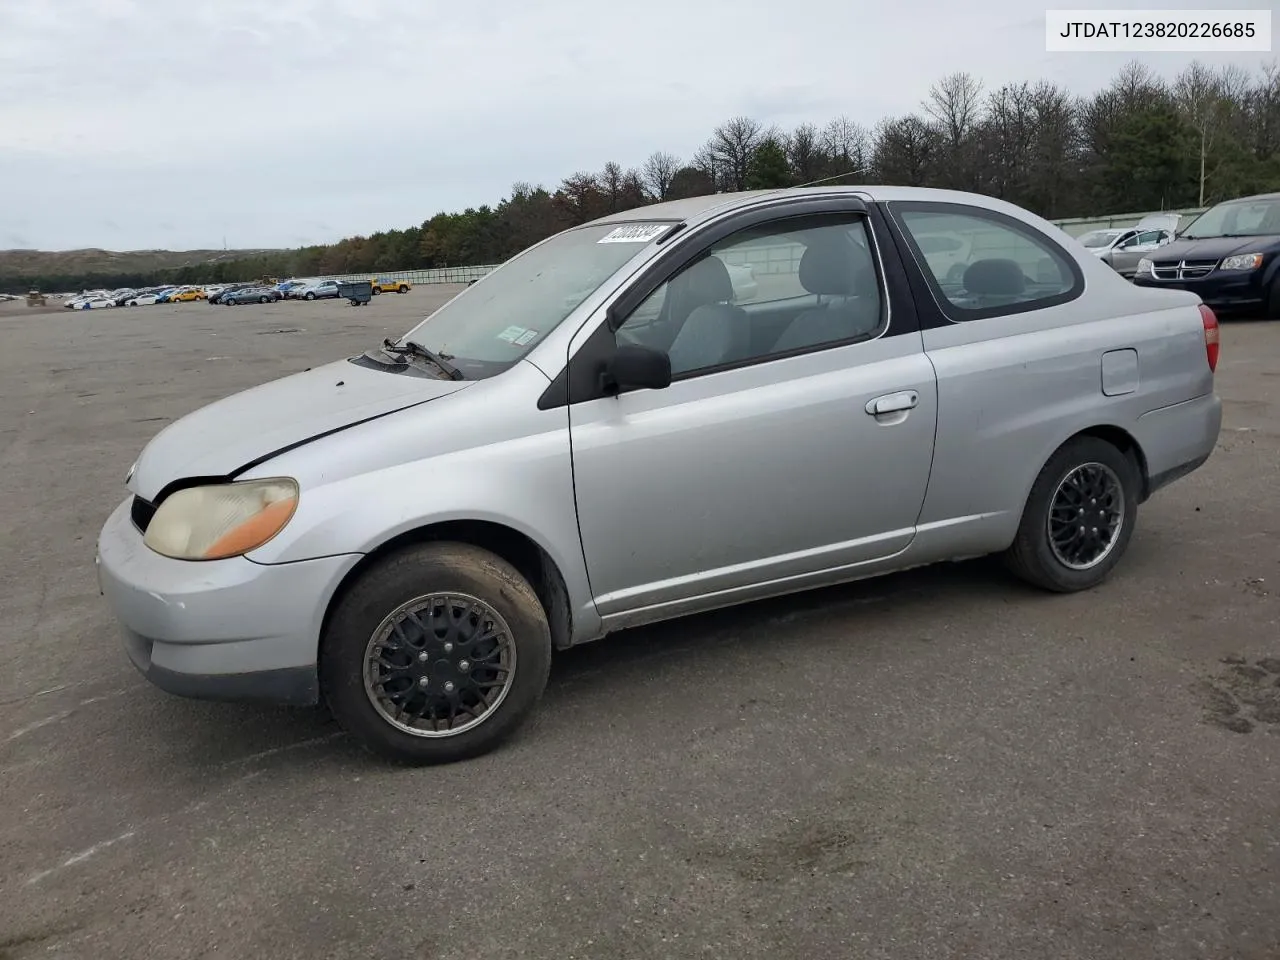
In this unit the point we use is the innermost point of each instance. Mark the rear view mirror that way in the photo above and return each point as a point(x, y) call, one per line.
point(635, 366)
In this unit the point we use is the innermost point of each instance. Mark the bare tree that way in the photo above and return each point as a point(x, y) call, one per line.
point(803, 153)
point(610, 181)
point(1209, 101)
point(732, 146)
point(847, 146)
point(905, 151)
point(707, 164)
point(658, 172)
point(580, 197)
point(955, 107)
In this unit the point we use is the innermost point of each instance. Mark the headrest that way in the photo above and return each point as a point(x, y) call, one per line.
point(828, 267)
point(707, 281)
point(995, 278)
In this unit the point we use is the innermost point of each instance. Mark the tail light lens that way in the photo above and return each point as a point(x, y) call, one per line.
point(1210, 336)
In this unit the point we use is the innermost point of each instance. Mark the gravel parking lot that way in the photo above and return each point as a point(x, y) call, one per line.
point(936, 764)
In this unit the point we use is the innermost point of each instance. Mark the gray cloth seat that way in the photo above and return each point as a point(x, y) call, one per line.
point(834, 267)
point(714, 332)
point(995, 281)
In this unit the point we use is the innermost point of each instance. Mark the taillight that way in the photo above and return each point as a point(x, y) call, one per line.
point(1210, 336)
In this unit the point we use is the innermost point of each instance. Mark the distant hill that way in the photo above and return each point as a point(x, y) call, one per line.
point(74, 263)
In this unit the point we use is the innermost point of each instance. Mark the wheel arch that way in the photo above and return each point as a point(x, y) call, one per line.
point(524, 553)
point(1123, 441)
point(1117, 436)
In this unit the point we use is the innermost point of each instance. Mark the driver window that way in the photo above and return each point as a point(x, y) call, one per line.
point(787, 286)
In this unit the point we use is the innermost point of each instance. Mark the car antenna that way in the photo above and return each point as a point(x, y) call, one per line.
point(814, 183)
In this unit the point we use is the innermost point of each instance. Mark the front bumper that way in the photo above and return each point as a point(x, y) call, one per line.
point(218, 629)
point(1222, 292)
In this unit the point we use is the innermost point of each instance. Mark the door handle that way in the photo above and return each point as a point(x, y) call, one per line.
point(893, 403)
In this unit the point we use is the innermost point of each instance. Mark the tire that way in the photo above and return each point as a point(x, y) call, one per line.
point(1033, 556)
point(376, 291)
point(403, 289)
point(311, 296)
point(424, 574)
point(1273, 300)
point(264, 299)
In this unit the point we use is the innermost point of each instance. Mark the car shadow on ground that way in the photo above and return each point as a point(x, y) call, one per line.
point(209, 737)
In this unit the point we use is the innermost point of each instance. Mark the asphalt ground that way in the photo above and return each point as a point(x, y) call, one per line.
point(936, 764)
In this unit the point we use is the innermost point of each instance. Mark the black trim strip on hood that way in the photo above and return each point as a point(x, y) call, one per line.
point(319, 436)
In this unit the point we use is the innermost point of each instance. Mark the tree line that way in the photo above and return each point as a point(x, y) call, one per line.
point(1143, 143)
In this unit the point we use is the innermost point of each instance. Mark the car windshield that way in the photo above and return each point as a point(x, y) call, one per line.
point(1238, 218)
point(489, 327)
point(1099, 238)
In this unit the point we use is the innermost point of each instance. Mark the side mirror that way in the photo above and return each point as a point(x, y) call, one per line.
point(635, 366)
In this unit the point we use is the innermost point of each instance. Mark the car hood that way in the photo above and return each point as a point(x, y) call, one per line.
point(1214, 248)
point(246, 428)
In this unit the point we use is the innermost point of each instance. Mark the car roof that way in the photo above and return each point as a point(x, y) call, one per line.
point(696, 209)
point(1256, 196)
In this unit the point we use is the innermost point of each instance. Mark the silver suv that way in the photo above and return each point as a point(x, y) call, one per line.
point(602, 433)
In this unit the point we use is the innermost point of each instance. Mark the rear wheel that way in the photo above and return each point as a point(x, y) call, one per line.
point(264, 299)
point(311, 296)
point(438, 653)
point(376, 291)
point(1079, 517)
point(403, 289)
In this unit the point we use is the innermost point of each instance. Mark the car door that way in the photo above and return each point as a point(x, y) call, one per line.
point(794, 442)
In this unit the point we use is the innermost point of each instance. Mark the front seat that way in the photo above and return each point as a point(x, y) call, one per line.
point(715, 331)
point(833, 266)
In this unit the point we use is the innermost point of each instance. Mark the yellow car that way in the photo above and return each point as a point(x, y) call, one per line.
point(382, 285)
point(187, 295)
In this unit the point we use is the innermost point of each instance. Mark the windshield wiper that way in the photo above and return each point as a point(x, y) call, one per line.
point(441, 360)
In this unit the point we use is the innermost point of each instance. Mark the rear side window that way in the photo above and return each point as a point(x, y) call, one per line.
point(995, 265)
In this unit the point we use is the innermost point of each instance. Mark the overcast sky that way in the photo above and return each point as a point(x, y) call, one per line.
point(132, 124)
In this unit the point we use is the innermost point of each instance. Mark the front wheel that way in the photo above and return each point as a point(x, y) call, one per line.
point(1273, 300)
point(403, 288)
point(438, 653)
point(264, 299)
point(376, 291)
point(311, 296)
point(1079, 517)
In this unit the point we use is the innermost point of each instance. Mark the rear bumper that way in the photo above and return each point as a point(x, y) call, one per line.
point(1178, 439)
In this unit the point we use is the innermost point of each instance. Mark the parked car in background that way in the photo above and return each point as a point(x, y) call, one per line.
point(141, 300)
point(1229, 256)
point(217, 298)
point(254, 294)
point(383, 285)
point(95, 303)
point(1150, 234)
point(74, 302)
point(285, 286)
point(320, 291)
point(410, 532)
point(188, 295)
point(1099, 242)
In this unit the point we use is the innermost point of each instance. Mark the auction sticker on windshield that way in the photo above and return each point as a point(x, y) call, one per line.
point(635, 233)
